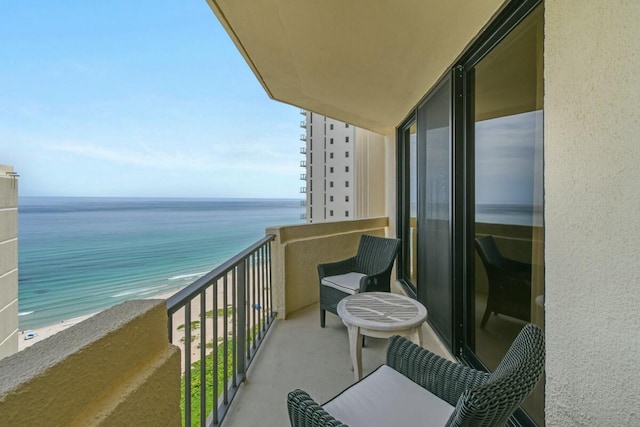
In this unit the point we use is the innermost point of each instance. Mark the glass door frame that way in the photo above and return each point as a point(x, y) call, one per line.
point(462, 185)
point(464, 128)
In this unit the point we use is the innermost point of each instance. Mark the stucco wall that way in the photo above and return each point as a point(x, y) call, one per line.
point(592, 212)
point(370, 174)
point(114, 369)
point(298, 249)
point(8, 262)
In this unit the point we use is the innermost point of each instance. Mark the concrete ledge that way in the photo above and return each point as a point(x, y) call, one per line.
point(114, 366)
point(297, 250)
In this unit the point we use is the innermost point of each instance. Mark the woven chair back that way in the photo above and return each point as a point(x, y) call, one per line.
point(506, 388)
point(376, 254)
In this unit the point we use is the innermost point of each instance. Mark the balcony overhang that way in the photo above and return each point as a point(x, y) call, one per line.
point(363, 62)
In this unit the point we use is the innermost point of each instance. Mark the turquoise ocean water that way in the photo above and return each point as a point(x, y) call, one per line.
point(82, 255)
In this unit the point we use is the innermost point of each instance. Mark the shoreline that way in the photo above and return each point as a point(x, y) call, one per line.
point(45, 332)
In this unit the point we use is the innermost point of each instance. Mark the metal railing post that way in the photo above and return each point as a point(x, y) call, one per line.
point(242, 318)
point(248, 274)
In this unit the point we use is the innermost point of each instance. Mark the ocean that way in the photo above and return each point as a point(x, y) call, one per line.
point(81, 255)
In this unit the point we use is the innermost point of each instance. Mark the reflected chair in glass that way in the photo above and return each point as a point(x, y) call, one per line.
point(368, 271)
point(509, 282)
point(419, 388)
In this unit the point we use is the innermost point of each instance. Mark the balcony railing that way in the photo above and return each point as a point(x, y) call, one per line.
point(303, 163)
point(303, 137)
point(219, 321)
point(303, 150)
point(303, 203)
point(303, 123)
point(303, 176)
point(303, 189)
point(303, 112)
point(303, 216)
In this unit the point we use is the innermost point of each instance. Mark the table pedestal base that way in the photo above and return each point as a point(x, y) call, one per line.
point(355, 342)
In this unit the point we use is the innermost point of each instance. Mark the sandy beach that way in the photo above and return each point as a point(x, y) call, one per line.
point(178, 324)
point(45, 332)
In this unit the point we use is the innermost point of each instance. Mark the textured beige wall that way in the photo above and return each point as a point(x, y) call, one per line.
point(592, 212)
point(8, 262)
point(114, 369)
point(391, 180)
point(370, 175)
point(298, 249)
point(366, 63)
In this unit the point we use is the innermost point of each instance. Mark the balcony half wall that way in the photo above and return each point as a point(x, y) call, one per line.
point(114, 369)
point(298, 249)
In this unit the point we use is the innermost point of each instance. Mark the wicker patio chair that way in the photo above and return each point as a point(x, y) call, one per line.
point(368, 271)
point(509, 283)
point(418, 388)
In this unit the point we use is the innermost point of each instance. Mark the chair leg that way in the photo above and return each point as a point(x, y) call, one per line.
point(322, 317)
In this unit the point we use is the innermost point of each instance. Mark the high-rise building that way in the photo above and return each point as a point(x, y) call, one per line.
point(334, 172)
point(8, 261)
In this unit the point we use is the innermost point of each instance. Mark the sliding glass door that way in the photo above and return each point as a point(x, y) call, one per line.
point(434, 203)
point(506, 288)
point(471, 195)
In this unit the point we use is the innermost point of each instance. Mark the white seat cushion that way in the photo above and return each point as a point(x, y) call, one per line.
point(388, 398)
point(348, 283)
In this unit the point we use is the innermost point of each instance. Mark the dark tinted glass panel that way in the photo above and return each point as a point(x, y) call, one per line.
point(508, 230)
point(434, 151)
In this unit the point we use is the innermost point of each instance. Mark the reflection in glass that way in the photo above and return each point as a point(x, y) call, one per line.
point(507, 107)
point(412, 261)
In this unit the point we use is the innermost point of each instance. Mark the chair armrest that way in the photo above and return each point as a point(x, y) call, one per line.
point(305, 412)
point(371, 282)
point(446, 379)
point(512, 265)
point(335, 268)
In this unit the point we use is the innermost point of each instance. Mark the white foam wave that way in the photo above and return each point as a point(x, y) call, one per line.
point(154, 290)
point(187, 276)
point(24, 313)
point(124, 294)
point(138, 291)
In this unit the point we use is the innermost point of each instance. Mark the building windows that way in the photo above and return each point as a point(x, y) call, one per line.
point(331, 198)
point(331, 155)
point(346, 154)
point(330, 140)
point(346, 168)
point(346, 184)
point(331, 213)
point(331, 127)
point(346, 198)
point(346, 125)
point(346, 214)
point(331, 184)
point(331, 169)
point(346, 139)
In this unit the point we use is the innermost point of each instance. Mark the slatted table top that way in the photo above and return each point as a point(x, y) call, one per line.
point(381, 311)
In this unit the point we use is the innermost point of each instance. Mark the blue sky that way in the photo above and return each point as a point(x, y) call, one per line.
point(137, 98)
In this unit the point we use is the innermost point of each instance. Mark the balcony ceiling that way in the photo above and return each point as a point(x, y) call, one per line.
point(360, 61)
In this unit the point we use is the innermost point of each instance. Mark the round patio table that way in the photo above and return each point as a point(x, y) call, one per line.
point(379, 315)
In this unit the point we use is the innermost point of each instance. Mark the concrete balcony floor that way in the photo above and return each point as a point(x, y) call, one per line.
point(299, 354)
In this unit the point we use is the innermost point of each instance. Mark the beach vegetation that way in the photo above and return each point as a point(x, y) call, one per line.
point(194, 325)
point(220, 312)
point(196, 379)
point(193, 338)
